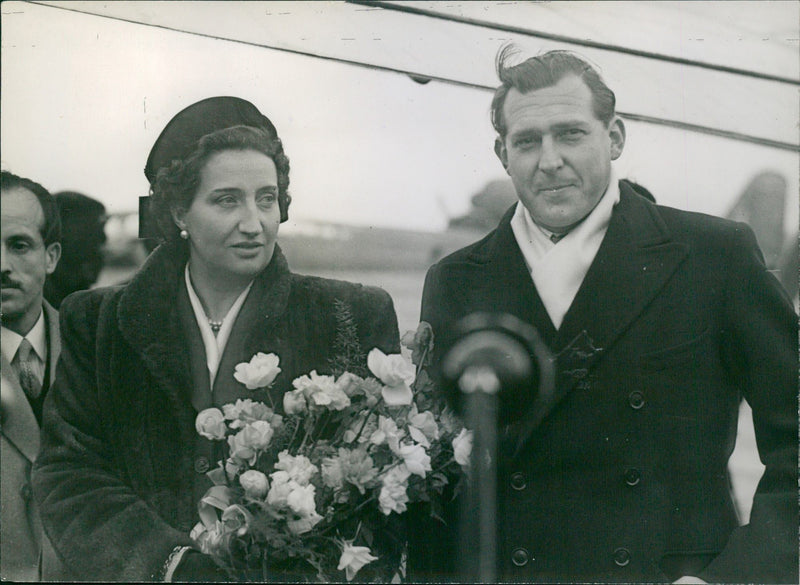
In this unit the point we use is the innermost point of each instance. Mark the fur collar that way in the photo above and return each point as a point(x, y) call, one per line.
point(149, 320)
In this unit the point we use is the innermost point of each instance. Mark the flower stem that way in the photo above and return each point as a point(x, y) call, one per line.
point(294, 435)
point(422, 360)
point(364, 424)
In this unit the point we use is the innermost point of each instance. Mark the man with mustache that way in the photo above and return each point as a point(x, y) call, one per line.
point(31, 231)
point(660, 321)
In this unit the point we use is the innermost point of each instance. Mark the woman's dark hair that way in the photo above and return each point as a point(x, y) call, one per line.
point(547, 70)
point(175, 186)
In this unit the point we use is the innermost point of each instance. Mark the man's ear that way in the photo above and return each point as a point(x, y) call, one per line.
point(52, 256)
point(501, 152)
point(616, 132)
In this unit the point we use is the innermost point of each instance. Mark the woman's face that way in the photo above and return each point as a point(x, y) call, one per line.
point(233, 219)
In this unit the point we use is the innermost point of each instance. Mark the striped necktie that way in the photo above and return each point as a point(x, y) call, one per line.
point(27, 378)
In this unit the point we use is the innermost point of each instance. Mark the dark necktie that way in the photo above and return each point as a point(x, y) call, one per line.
point(27, 378)
point(556, 238)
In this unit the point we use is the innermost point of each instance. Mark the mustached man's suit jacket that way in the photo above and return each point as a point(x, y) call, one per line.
point(622, 475)
point(23, 547)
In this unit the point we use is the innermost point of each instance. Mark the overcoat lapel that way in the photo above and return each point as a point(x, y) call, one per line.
point(17, 420)
point(634, 262)
point(500, 282)
point(503, 278)
point(200, 389)
point(257, 329)
point(53, 338)
point(150, 323)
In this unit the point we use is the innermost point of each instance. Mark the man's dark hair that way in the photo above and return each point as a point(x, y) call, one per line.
point(51, 228)
point(83, 235)
point(74, 204)
point(546, 70)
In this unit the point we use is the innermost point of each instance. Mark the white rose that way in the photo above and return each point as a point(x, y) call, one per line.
point(349, 383)
point(400, 395)
point(210, 423)
point(237, 519)
point(338, 400)
point(372, 389)
point(422, 426)
point(462, 447)
point(253, 439)
point(294, 402)
point(322, 391)
point(246, 411)
point(254, 483)
point(394, 496)
point(301, 499)
point(392, 369)
point(397, 375)
point(299, 468)
point(279, 490)
point(260, 372)
point(416, 459)
point(353, 558)
point(387, 432)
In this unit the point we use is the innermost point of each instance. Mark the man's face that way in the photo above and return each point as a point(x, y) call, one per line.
point(26, 261)
point(557, 153)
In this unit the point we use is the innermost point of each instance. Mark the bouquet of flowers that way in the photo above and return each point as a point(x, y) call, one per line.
point(318, 490)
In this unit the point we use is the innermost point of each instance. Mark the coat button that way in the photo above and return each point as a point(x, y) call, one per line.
point(622, 556)
point(636, 400)
point(26, 492)
point(201, 464)
point(632, 476)
point(518, 481)
point(520, 557)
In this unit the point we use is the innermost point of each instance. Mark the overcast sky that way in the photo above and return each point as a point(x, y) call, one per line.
point(84, 97)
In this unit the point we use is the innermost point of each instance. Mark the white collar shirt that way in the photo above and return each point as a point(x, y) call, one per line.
point(558, 269)
point(214, 344)
point(37, 337)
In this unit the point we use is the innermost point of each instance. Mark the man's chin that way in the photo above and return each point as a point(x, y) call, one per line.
point(13, 306)
point(9, 294)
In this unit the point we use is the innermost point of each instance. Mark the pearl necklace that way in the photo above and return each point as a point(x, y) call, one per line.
point(215, 326)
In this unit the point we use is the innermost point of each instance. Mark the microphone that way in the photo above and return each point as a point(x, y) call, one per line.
point(497, 350)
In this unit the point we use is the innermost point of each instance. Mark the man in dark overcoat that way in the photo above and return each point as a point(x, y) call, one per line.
point(660, 322)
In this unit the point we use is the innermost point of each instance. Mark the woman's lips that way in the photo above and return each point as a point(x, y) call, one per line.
point(248, 249)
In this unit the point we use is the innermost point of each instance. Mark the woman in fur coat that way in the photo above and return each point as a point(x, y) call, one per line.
point(122, 469)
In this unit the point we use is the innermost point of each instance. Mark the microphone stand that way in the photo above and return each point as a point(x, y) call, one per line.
point(493, 354)
point(481, 386)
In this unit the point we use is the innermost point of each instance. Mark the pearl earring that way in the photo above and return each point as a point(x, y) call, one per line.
point(184, 234)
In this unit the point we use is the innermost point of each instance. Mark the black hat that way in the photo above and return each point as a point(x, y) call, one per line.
point(179, 138)
point(181, 135)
